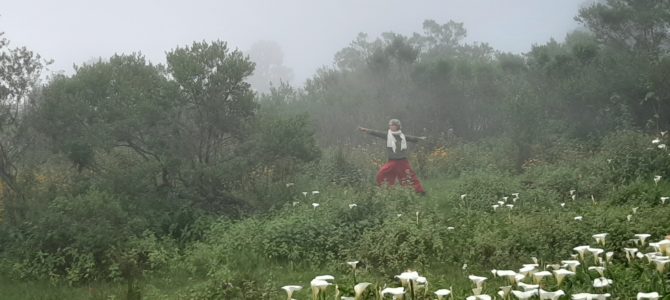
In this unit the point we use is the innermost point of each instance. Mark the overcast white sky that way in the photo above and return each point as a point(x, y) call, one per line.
point(309, 31)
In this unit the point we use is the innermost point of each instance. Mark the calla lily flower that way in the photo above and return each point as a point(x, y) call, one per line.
point(479, 297)
point(477, 280)
point(588, 296)
point(572, 264)
point(661, 146)
point(573, 197)
point(602, 282)
point(551, 295)
point(463, 196)
point(629, 217)
point(562, 204)
point(304, 194)
point(600, 238)
point(639, 255)
point(353, 263)
point(664, 246)
point(609, 255)
point(600, 270)
point(515, 195)
point(352, 205)
point(642, 237)
point(441, 293)
point(596, 252)
point(578, 218)
point(347, 298)
point(527, 269)
point(494, 272)
point(477, 291)
point(325, 277)
point(290, 289)
point(504, 291)
point(399, 291)
point(630, 253)
point(663, 199)
point(635, 209)
point(537, 277)
point(505, 198)
point(656, 141)
point(410, 276)
point(509, 274)
point(528, 287)
point(450, 228)
point(360, 288)
point(314, 193)
point(495, 206)
point(560, 275)
point(295, 203)
point(315, 205)
point(661, 264)
point(318, 285)
point(657, 178)
point(501, 202)
point(399, 215)
point(572, 192)
point(649, 296)
point(510, 206)
point(534, 259)
point(581, 250)
point(552, 266)
point(525, 295)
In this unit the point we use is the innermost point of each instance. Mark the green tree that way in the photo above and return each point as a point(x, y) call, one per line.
point(19, 73)
point(636, 25)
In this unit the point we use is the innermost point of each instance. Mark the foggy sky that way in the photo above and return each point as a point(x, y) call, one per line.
point(308, 31)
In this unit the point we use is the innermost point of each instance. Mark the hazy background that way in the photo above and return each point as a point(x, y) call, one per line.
point(308, 33)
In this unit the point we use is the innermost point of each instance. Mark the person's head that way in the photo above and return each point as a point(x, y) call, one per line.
point(394, 124)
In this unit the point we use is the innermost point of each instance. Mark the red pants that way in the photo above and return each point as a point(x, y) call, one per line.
point(400, 170)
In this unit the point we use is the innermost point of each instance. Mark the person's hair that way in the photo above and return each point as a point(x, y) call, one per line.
point(395, 122)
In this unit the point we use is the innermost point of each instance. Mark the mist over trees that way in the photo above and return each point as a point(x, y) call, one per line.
point(124, 157)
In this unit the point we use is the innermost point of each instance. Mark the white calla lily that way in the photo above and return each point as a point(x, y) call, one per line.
point(524, 295)
point(477, 280)
point(399, 291)
point(600, 238)
point(551, 295)
point(661, 264)
point(648, 296)
point(528, 287)
point(441, 293)
point(600, 270)
point(360, 288)
point(602, 282)
point(572, 264)
point(581, 250)
point(589, 296)
point(560, 274)
point(290, 289)
point(325, 277)
point(538, 276)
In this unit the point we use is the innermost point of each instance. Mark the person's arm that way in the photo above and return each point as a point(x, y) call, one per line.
point(414, 139)
point(372, 132)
